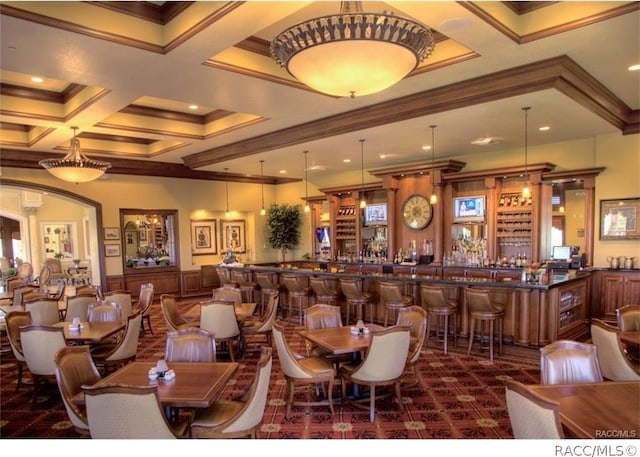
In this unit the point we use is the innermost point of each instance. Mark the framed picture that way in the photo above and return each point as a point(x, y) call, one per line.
point(46, 239)
point(142, 234)
point(60, 240)
point(232, 235)
point(112, 250)
point(111, 233)
point(204, 237)
point(619, 219)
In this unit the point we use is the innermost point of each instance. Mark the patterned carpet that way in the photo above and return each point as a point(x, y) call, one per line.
point(465, 399)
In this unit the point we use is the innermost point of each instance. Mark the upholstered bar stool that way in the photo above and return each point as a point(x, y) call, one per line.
point(323, 292)
point(224, 276)
point(297, 294)
point(356, 298)
point(247, 287)
point(392, 299)
point(482, 309)
point(268, 283)
point(438, 306)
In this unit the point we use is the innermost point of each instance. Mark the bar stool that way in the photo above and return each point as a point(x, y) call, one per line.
point(439, 306)
point(356, 298)
point(268, 283)
point(482, 309)
point(224, 276)
point(324, 294)
point(248, 288)
point(297, 294)
point(392, 299)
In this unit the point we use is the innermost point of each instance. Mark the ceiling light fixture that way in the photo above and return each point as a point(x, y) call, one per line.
point(526, 191)
point(226, 191)
point(262, 211)
point(75, 166)
point(363, 201)
point(352, 53)
point(307, 208)
point(434, 198)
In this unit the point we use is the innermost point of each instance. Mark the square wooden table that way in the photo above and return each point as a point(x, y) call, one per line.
point(339, 340)
point(196, 385)
point(607, 409)
point(91, 332)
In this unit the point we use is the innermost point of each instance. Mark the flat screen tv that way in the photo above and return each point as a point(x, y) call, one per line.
point(375, 214)
point(469, 209)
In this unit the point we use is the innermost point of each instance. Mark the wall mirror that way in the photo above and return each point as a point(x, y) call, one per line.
point(568, 215)
point(149, 238)
point(59, 240)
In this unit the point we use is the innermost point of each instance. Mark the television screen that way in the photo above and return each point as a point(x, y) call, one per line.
point(468, 209)
point(375, 214)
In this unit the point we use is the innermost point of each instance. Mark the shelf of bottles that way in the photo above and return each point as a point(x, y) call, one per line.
point(346, 221)
point(571, 306)
point(513, 229)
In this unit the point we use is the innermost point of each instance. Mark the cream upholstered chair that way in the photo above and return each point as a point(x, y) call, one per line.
point(173, 319)
point(44, 311)
point(227, 293)
point(14, 320)
point(112, 356)
point(383, 365)
point(123, 298)
point(25, 271)
point(78, 306)
point(39, 346)
point(612, 358)
point(569, 362)
point(257, 331)
point(414, 317)
point(302, 372)
point(144, 303)
point(190, 345)
point(324, 316)
point(532, 416)
point(75, 368)
point(18, 294)
point(42, 280)
point(120, 412)
point(268, 283)
point(297, 295)
point(104, 312)
point(55, 268)
point(237, 418)
point(391, 298)
point(219, 319)
point(246, 286)
point(628, 318)
point(438, 306)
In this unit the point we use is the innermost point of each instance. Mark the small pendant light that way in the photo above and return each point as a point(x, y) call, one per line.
point(434, 198)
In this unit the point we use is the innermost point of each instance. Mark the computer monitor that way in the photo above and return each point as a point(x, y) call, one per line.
point(561, 253)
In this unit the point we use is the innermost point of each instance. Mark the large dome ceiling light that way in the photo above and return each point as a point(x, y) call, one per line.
point(352, 53)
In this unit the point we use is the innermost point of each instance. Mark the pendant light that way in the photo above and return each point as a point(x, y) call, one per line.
point(226, 191)
point(526, 191)
point(434, 198)
point(262, 211)
point(307, 208)
point(363, 201)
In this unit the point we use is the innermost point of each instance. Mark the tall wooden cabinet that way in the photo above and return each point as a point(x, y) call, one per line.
point(616, 288)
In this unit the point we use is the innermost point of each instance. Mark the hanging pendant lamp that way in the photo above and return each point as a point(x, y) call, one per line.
point(526, 190)
point(434, 198)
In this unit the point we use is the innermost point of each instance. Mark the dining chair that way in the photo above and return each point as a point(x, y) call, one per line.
point(87, 289)
point(14, 320)
point(613, 357)
point(628, 318)
point(382, 365)
point(25, 271)
point(302, 373)
point(110, 357)
point(414, 317)
point(483, 309)
point(78, 306)
point(55, 268)
point(532, 416)
point(144, 303)
point(190, 345)
point(44, 311)
point(104, 312)
point(171, 314)
point(18, 293)
point(39, 346)
point(257, 331)
point(569, 362)
point(128, 412)
point(219, 319)
point(239, 417)
point(440, 307)
point(42, 280)
point(392, 299)
point(123, 298)
point(324, 316)
point(75, 368)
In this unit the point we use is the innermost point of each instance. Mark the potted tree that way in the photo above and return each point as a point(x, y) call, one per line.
point(283, 223)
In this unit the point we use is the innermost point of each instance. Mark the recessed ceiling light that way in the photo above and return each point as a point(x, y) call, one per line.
point(383, 156)
point(282, 172)
point(37, 79)
point(346, 160)
point(544, 128)
point(635, 67)
point(426, 148)
point(194, 107)
point(484, 141)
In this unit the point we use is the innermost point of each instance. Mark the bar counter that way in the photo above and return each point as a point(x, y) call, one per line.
point(535, 313)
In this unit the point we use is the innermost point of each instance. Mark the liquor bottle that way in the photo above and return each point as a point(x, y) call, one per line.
point(501, 200)
point(519, 260)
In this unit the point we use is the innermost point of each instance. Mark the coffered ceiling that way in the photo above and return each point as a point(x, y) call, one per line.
point(126, 74)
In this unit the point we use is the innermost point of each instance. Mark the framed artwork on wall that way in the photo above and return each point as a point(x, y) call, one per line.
point(619, 219)
point(233, 235)
point(204, 237)
point(111, 250)
point(111, 233)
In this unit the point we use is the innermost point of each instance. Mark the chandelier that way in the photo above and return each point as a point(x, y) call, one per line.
point(352, 53)
point(75, 166)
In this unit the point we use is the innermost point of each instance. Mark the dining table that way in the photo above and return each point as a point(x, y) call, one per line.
point(90, 332)
point(195, 385)
point(609, 409)
point(243, 310)
point(630, 342)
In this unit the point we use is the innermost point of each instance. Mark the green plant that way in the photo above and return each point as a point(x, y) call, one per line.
point(58, 255)
point(10, 273)
point(283, 224)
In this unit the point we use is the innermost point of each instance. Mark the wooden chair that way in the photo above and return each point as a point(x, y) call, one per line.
point(25, 272)
point(569, 362)
point(219, 319)
point(145, 300)
point(302, 373)
point(228, 294)
point(392, 299)
point(190, 345)
point(324, 316)
point(532, 416)
point(239, 417)
point(121, 412)
point(224, 277)
point(40, 344)
point(414, 317)
point(104, 312)
point(75, 368)
point(257, 332)
point(383, 365)
point(14, 321)
point(110, 357)
point(323, 293)
point(123, 298)
point(268, 283)
point(438, 306)
point(628, 318)
point(483, 310)
point(172, 317)
point(613, 357)
point(356, 298)
point(247, 287)
point(55, 268)
point(43, 278)
point(297, 295)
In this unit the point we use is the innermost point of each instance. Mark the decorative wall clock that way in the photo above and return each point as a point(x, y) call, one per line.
point(417, 212)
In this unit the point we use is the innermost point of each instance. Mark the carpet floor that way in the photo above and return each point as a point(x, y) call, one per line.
point(465, 398)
